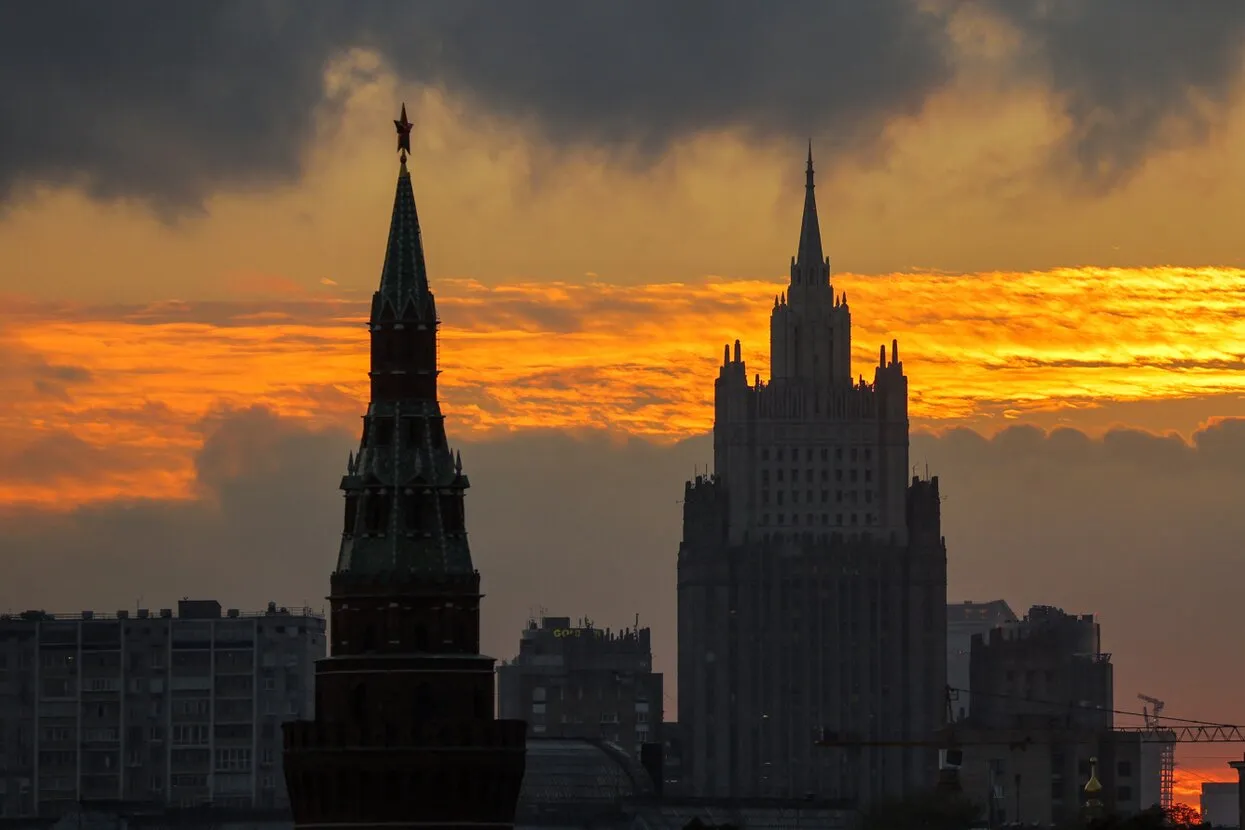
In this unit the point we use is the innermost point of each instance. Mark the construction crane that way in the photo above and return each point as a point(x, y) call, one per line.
point(1151, 717)
point(1167, 755)
point(1152, 732)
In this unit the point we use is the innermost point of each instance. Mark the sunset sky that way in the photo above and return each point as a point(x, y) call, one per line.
point(1042, 206)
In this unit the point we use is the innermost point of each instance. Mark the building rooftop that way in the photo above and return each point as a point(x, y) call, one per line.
point(995, 611)
point(187, 609)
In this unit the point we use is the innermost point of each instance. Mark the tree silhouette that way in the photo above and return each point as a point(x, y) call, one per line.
point(1182, 815)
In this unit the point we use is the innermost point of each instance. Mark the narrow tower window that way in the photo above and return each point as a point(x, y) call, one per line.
point(382, 432)
point(358, 703)
point(352, 510)
point(410, 511)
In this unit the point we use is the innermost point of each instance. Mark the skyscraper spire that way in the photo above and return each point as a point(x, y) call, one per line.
point(809, 253)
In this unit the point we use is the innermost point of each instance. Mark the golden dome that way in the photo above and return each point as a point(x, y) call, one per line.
point(1093, 786)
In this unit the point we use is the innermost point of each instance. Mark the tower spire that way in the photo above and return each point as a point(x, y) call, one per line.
point(404, 277)
point(404, 495)
point(809, 253)
point(404, 689)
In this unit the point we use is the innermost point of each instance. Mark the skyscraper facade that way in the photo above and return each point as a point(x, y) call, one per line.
point(812, 571)
point(404, 733)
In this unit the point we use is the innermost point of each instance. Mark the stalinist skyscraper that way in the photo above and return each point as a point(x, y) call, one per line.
point(812, 573)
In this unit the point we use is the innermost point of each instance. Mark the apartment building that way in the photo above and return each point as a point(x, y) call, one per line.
point(584, 682)
point(182, 708)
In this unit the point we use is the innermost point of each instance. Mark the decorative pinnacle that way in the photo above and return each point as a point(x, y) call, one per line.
point(404, 135)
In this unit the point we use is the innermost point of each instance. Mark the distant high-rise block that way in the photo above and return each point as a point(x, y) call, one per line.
point(180, 709)
point(964, 620)
point(812, 572)
point(579, 681)
point(1047, 669)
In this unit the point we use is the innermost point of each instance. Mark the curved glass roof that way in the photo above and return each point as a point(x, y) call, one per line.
point(562, 770)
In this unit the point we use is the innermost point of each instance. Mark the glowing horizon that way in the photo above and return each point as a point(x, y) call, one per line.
point(983, 350)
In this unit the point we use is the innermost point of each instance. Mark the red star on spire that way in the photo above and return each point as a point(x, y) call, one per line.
point(404, 133)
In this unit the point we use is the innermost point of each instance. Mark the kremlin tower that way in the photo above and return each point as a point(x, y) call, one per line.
point(404, 733)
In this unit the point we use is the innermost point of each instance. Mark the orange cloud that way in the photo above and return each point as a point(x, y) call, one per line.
point(1187, 785)
point(979, 349)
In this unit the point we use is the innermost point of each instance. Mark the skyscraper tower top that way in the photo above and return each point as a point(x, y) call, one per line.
point(809, 252)
point(810, 267)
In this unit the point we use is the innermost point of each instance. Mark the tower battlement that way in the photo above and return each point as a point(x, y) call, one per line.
point(704, 513)
point(925, 514)
point(802, 399)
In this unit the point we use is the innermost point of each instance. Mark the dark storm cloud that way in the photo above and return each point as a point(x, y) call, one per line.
point(1133, 76)
point(163, 101)
point(170, 101)
point(645, 71)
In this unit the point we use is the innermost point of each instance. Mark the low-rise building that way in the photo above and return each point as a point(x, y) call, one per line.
point(1220, 803)
point(1038, 774)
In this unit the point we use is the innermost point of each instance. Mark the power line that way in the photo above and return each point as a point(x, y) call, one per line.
point(1064, 706)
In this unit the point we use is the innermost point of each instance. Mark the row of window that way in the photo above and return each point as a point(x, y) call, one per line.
point(419, 512)
point(378, 431)
point(853, 475)
point(540, 694)
point(810, 519)
point(852, 496)
point(854, 454)
point(539, 712)
point(183, 734)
